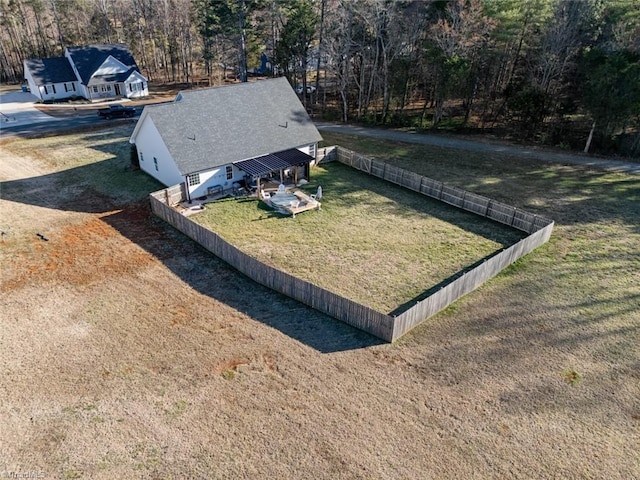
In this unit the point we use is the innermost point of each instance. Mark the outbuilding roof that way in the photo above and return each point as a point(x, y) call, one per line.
point(50, 70)
point(203, 129)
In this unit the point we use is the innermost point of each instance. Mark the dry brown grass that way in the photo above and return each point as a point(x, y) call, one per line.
point(117, 334)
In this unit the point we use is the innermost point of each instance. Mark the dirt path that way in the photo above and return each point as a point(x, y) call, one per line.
point(485, 147)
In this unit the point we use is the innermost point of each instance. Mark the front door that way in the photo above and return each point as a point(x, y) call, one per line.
point(117, 89)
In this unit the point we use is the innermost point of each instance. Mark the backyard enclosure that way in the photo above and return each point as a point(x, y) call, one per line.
point(386, 326)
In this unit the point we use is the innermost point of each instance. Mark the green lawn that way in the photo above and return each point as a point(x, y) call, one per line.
point(372, 242)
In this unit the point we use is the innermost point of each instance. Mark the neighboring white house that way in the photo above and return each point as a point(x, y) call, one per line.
point(51, 78)
point(210, 139)
point(93, 72)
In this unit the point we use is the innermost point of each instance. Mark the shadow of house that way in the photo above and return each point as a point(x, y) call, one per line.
point(79, 190)
point(95, 188)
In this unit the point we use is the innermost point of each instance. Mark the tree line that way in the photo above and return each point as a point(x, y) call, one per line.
point(561, 72)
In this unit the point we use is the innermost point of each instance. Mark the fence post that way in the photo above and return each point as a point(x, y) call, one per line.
point(486, 212)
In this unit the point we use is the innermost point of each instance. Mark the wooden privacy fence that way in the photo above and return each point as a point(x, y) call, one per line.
point(471, 202)
point(173, 195)
point(538, 228)
point(348, 311)
point(384, 326)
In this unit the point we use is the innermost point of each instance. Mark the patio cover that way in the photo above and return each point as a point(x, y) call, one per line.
point(273, 162)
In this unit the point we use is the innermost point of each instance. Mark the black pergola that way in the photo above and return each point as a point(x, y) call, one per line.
point(274, 162)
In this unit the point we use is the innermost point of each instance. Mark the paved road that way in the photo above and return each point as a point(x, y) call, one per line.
point(19, 116)
point(475, 146)
point(61, 124)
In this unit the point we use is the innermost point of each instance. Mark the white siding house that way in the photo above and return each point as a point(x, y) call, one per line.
point(51, 79)
point(94, 72)
point(154, 156)
point(210, 139)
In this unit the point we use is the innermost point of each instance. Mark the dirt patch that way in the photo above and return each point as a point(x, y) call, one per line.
point(78, 254)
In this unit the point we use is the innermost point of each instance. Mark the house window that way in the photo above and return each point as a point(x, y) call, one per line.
point(105, 88)
point(54, 88)
point(73, 86)
point(193, 179)
point(229, 172)
point(95, 89)
point(312, 150)
point(155, 163)
point(46, 92)
point(66, 89)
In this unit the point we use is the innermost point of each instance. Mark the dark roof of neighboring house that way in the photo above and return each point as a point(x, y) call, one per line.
point(88, 59)
point(50, 70)
point(217, 126)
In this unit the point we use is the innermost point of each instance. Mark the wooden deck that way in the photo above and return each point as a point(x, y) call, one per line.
point(292, 203)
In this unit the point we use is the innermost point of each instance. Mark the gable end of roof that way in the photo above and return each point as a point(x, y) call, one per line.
point(89, 58)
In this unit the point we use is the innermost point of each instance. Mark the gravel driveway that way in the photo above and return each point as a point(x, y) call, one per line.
point(477, 146)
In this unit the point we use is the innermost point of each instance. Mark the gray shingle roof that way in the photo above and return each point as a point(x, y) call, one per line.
point(51, 70)
point(221, 125)
point(88, 58)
